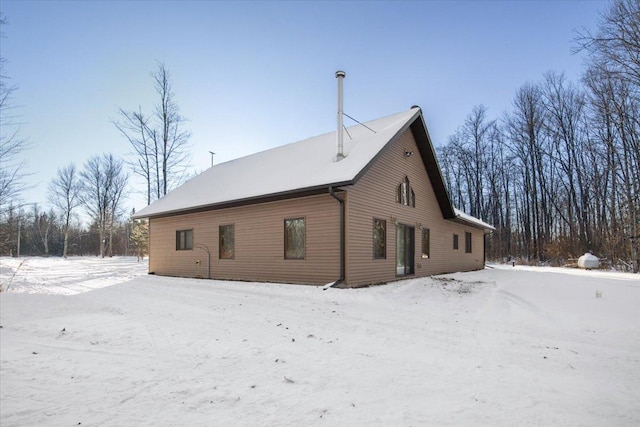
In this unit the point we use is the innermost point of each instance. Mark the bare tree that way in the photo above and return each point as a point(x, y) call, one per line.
point(160, 143)
point(104, 183)
point(617, 41)
point(171, 139)
point(525, 127)
point(12, 144)
point(64, 193)
point(134, 126)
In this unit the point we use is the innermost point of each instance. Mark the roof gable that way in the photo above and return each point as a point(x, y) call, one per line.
point(300, 167)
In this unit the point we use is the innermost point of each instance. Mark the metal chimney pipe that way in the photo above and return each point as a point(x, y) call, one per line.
point(340, 75)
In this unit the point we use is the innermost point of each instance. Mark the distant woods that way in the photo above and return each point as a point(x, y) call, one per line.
point(559, 174)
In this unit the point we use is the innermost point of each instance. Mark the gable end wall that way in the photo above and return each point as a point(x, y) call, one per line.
point(374, 196)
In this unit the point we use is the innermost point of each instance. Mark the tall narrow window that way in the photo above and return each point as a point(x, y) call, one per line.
point(455, 242)
point(226, 241)
point(184, 240)
point(426, 243)
point(294, 238)
point(467, 242)
point(379, 238)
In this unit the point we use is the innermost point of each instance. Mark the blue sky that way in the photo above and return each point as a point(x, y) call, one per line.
point(254, 75)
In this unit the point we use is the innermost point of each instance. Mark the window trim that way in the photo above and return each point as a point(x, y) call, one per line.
point(233, 241)
point(304, 239)
point(178, 240)
point(384, 239)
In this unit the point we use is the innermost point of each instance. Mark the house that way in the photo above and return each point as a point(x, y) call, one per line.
point(375, 210)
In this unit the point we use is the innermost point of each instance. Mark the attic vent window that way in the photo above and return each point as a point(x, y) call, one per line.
point(405, 194)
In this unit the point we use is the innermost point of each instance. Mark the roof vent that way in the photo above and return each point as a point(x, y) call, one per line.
point(340, 75)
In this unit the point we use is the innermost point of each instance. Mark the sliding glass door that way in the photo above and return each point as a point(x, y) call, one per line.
point(405, 249)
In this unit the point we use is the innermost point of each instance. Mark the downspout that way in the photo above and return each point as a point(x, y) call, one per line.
point(484, 250)
point(342, 239)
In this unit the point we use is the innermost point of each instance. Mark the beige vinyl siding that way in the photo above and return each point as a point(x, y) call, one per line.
point(374, 196)
point(258, 239)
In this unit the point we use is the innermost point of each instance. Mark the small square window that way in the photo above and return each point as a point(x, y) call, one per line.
point(184, 240)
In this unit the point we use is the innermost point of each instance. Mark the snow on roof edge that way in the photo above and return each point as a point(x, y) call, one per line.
point(472, 219)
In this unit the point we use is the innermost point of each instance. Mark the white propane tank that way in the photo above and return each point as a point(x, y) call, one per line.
point(588, 261)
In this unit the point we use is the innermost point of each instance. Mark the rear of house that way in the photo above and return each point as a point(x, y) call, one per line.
point(379, 214)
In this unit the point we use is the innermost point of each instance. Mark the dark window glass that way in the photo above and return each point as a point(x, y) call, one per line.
point(379, 238)
point(467, 242)
point(455, 241)
point(226, 241)
point(184, 240)
point(426, 243)
point(294, 238)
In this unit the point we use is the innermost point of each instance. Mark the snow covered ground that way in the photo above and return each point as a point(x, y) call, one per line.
point(98, 342)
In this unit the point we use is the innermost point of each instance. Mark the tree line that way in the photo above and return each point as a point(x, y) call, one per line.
point(559, 173)
point(33, 231)
point(98, 191)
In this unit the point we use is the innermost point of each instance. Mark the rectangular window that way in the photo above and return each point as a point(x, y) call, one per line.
point(467, 242)
point(426, 243)
point(294, 238)
point(184, 240)
point(226, 241)
point(379, 238)
point(455, 242)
